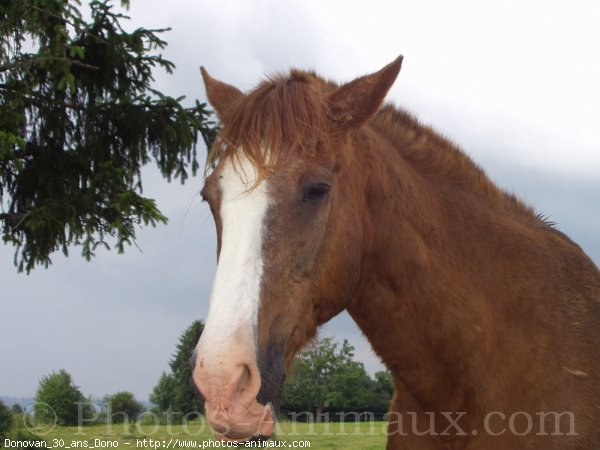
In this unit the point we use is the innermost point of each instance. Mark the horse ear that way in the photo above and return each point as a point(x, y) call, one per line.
point(220, 95)
point(355, 102)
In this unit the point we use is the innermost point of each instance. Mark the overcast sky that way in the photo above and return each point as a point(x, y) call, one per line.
point(515, 84)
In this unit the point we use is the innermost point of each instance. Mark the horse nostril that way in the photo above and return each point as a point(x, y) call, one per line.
point(244, 378)
point(247, 381)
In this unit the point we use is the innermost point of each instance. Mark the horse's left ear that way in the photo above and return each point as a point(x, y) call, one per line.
point(355, 102)
point(220, 95)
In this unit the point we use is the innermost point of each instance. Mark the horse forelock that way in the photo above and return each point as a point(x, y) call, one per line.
point(284, 116)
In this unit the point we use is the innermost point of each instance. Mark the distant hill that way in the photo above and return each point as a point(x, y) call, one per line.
point(25, 402)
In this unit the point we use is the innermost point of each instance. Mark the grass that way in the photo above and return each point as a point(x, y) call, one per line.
point(328, 435)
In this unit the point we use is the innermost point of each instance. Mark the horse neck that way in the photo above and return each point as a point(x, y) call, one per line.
point(428, 262)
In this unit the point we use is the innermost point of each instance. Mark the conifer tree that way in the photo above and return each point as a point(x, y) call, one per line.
point(175, 392)
point(79, 118)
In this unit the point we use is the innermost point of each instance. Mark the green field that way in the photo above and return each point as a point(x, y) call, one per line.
point(329, 435)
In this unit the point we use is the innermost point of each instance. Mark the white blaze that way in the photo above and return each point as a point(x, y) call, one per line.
point(233, 302)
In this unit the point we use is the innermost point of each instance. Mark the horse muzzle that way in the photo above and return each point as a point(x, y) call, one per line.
point(230, 381)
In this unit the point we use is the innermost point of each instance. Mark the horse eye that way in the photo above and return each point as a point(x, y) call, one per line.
point(316, 192)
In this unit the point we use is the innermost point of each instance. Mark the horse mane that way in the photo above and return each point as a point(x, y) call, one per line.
point(437, 157)
point(289, 113)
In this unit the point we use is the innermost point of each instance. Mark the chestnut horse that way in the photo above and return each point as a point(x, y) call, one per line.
point(487, 317)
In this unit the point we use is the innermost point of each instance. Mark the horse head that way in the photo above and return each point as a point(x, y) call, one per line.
point(289, 204)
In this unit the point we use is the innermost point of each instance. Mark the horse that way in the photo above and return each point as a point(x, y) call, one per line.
point(326, 199)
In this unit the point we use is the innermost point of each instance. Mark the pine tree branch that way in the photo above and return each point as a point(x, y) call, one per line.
point(42, 99)
point(11, 218)
point(31, 61)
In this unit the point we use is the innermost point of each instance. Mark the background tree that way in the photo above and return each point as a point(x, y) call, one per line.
point(164, 392)
point(326, 377)
point(177, 389)
point(315, 376)
point(14, 428)
point(5, 421)
point(63, 398)
point(78, 120)
point(185, 398)
point(352, 388)
point(384, 390)
point(122, 407)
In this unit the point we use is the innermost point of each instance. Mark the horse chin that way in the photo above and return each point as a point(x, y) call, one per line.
point(241, 424)
point(260, 438)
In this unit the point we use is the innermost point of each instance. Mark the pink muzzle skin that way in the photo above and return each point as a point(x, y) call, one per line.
point(240, 423)
point(230, 386)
